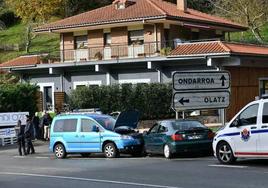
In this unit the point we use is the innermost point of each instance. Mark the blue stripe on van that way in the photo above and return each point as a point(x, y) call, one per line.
point(238, 133)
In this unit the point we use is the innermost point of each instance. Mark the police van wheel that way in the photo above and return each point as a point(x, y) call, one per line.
point(59, 151)
point(110, 151)
point(225, 154)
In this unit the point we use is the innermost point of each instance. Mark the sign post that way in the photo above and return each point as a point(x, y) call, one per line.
point(201, 90)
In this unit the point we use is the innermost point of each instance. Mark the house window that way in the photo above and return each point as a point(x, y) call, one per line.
point(263, 86)
point(81, 42)
point(195, 35)
point(136, 37)
point(107, 39)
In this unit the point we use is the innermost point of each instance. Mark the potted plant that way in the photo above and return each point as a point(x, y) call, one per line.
point(98, 56)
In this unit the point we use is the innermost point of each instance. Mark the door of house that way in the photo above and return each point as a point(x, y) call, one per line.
point(47, 90)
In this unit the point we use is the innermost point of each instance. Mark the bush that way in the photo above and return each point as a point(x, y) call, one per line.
point(152, 100)
point(8, 17)
point(18, 98)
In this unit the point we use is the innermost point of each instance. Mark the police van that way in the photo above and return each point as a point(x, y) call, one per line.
point(246, 135)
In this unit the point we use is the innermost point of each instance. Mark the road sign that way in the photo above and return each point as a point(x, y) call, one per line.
point(207, 80)
point(201, 100)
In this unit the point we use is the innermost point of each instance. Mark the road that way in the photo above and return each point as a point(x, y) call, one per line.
point(42, 170)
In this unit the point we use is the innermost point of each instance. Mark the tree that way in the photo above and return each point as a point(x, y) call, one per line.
point(253, 13)
point(33, 12)
point(73, 7)
point(201, 5)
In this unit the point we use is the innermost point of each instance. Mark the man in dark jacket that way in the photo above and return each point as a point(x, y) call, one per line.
point(29, 135)
point(21, 138)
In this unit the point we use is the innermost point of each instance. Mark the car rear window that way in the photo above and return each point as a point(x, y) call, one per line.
point(65, 125)
point(185, 125)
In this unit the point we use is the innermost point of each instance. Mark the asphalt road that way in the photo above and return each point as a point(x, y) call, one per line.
point(42, 170)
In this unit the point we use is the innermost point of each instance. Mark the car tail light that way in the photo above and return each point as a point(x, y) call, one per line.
point(211, 135)
point(177, 137)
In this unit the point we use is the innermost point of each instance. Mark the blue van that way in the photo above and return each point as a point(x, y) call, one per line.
point(95, 133)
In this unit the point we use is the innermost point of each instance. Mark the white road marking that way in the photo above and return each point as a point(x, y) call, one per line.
point(19, 156)
point(228, 166)
point(41, 157)
point(86, 179)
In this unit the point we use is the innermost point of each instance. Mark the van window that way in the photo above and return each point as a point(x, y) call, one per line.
point(249, 115)
point(265, 113)
point(87, 125)
point(65, 125)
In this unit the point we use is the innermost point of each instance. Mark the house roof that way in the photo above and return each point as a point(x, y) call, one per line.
point(21, 61)
point(139, 11)
point(219, 47)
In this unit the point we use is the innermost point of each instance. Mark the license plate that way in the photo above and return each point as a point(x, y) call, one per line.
point(194, 137)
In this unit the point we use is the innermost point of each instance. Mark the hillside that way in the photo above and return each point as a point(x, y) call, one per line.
point(247, 37)
point(16, 35)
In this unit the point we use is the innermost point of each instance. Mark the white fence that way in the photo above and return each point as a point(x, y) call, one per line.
point(8, 135)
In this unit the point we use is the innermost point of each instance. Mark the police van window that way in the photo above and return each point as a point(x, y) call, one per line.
point(249, 115)
point(66, 125)
point(87, 125)
point(265, 113)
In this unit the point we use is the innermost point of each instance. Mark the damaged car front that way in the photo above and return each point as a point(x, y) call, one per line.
point(122, 131)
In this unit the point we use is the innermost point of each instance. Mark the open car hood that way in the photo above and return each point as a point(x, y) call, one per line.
point(129, 118)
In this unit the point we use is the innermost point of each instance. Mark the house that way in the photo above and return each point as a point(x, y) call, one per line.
point(142, 41)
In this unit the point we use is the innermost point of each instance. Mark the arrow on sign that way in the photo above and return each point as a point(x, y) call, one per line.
point(182, 101)
point(223, 80)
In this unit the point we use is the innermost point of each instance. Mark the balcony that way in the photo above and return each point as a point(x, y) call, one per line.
point(152, 49)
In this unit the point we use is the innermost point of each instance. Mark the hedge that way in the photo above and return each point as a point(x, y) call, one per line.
point(152, 100)
point(18, 98)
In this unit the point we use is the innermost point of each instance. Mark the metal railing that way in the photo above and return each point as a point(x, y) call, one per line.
point(120, 51)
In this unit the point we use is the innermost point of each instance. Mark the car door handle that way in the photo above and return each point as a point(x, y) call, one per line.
point(253, 127)
point(76, 136)
point(264, 126)
point(83, 136)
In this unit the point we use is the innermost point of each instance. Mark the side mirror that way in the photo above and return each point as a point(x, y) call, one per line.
point(145, 133)
point(96, 129)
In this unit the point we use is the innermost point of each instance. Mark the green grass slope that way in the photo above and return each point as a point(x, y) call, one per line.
point(16, 35)
point(248, 36)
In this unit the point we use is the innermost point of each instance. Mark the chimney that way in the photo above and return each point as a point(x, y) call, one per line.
point(122, 4)
point(182, 5)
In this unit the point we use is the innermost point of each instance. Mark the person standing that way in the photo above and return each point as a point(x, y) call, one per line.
point(36, 125)
point(21, 138)
point(29, 135)
point(46, 122)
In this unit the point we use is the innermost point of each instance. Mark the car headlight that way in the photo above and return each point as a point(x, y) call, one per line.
point(125, 137)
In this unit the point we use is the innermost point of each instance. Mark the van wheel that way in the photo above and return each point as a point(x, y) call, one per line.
point(225, 154)
point(110, 151)
point(85, 154)
point(59, 151)
point(167, 152)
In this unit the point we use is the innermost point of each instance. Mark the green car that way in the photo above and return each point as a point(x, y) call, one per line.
point(170, 137)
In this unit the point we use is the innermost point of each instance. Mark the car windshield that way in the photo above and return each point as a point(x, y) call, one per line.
point(185, 125)
point(106, 122)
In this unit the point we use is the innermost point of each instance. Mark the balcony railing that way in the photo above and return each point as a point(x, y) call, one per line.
point(116, 52)
point(151, 49)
